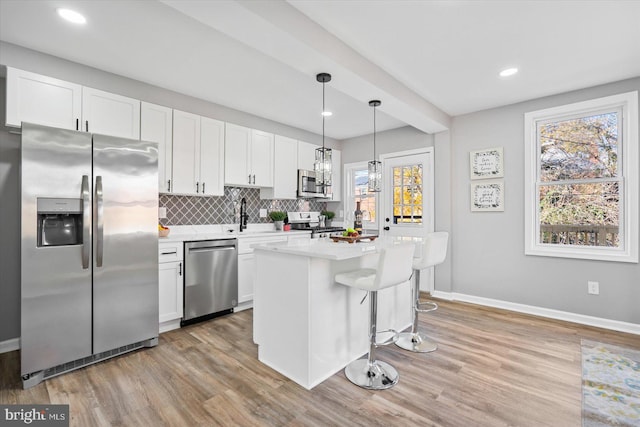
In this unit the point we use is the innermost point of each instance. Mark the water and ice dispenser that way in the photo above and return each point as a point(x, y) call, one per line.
point(59, 222)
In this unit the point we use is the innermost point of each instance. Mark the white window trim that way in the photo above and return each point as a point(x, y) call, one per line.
point(349, 206)
point(628, 252)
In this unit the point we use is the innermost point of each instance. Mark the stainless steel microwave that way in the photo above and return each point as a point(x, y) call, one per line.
point(307, 186)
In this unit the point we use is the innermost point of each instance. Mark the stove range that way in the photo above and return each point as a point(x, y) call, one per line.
point(311, 221)
point(320, 232)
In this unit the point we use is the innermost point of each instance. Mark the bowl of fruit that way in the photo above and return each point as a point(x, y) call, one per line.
point(163, 231)
point(351, 236)
point(350, 232)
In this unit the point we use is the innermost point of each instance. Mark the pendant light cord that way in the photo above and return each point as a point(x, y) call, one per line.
point(374, 133)
point(323, 117)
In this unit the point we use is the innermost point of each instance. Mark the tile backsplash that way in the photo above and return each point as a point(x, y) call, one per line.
point(198, 210)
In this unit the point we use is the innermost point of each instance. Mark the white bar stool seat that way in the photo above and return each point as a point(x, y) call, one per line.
point(434, 252)
point(394, 268)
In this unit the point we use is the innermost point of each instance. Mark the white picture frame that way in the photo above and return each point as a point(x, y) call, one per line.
point(487, 163)
point(487, 196)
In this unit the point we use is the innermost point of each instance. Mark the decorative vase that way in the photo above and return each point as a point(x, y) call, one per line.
point(278, 224)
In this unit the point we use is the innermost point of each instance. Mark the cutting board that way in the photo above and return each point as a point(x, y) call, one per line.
point(353, 239)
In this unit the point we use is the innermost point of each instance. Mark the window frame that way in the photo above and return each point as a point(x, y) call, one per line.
point(629, 163)
point(349, 199)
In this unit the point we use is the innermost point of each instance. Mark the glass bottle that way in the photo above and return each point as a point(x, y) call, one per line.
point(357, 223)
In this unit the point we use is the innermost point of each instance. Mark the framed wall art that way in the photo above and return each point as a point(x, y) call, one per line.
point(484, 164)
point(487, 196)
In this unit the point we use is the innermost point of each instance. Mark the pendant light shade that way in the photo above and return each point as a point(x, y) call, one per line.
point(322, 164)
point(375, 166)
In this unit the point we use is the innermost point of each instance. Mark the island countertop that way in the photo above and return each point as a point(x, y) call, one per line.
point(330, 250)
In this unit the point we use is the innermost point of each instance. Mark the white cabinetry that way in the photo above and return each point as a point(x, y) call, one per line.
point(211, 157)
point(336, 174)
point(171, 285)
point(248, 157)
point(285, 170)
point(306, 155)
point(198, 155)
point(51, 102)
point(110, 114)
point(44, 100)
point(156, 125)
point(246, 277)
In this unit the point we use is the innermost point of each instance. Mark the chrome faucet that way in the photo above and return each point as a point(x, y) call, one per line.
point(244, 216)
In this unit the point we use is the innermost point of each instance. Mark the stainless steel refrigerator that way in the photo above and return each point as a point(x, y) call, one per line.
point(89, 250)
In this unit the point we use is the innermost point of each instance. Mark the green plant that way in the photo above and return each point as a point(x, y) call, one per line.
point(328, 214)
point(277, 215)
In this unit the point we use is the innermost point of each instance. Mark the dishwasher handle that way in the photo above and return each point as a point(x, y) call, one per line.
point(212, 248)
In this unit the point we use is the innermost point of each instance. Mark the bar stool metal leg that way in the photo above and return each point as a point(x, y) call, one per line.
point(414, 340)
point(370, 373)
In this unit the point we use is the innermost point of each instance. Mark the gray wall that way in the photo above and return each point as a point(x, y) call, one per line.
point(391, 141)
point(488, 248)
point(18, 57)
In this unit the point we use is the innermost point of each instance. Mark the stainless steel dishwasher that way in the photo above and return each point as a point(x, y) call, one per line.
point(210, 279)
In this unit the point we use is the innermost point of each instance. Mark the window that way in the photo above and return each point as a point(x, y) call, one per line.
point(407, 194)
point(357, 191)
point(581, 183)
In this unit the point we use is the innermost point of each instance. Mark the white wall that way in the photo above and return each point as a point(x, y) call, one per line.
point(488, 248)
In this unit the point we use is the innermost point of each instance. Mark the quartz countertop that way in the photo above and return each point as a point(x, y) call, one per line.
point(328, 249)
point(186, 233)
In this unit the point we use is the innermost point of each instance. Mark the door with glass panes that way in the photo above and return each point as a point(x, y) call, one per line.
point(407, 209)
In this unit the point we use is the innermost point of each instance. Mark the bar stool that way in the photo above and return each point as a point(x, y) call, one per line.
point(394, 268)
point(434, 251)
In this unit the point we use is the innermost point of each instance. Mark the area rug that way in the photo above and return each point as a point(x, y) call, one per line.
point(610, 385)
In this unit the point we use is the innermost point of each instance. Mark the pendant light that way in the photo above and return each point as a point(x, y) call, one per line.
point(375, 166)
point(322, 164)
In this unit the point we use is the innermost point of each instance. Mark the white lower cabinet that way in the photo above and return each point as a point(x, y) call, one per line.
point(246, 276)
point(171, 285)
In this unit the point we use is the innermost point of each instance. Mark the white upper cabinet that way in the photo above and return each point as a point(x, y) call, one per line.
point(44, 100)
point(186, 138)
point(156, 125)
point(110, 114)
point(248, 157)
point(198, 155)
point(336, 174)
point(261, 158)
point(51, 102)
point(306, 155)
point(211, 157)
point(237, 142)
point(285, 170)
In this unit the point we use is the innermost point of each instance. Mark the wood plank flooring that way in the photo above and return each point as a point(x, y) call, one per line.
point(492, 368)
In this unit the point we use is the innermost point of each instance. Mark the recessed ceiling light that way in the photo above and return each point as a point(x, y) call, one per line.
point(72, 16)
point(508, 72)
point(327, 113)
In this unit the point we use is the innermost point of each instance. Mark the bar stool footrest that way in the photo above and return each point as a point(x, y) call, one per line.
point(391, 340)
point(432, 306)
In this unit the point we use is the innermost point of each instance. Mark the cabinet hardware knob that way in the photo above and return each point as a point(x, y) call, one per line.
point(386, 228)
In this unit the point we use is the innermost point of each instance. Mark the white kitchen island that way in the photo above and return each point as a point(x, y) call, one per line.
point(306, 326)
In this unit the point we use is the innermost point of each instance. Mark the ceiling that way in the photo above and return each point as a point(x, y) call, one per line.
point(426, 60)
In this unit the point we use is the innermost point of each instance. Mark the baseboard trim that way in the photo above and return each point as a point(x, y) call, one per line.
point(9, 345)
point(582, 319)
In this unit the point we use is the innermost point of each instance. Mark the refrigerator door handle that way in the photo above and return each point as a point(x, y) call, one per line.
point(99, 222)
point(86, 222)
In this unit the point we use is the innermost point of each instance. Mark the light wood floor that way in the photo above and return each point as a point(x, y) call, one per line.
point(492, 368)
